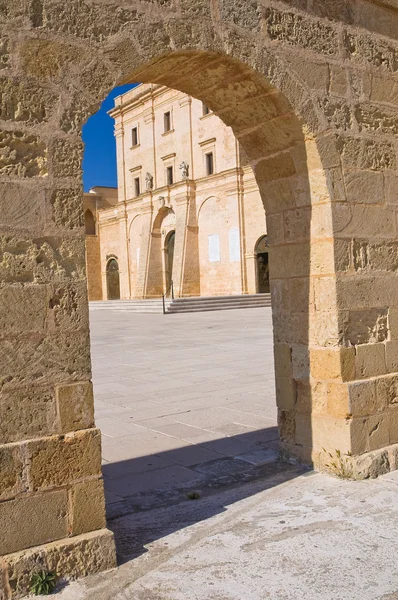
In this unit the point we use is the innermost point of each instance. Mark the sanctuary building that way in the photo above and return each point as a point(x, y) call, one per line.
point(187, 211)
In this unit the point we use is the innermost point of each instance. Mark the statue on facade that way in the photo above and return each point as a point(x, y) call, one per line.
point(184, 169)
point(148, 182)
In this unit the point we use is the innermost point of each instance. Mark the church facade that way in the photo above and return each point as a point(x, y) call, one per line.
point(187, 217)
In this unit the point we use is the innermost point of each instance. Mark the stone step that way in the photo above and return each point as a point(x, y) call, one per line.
point(180, 305)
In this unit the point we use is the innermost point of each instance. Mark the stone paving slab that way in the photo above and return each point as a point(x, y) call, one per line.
point(286, 537)
point(174, 393)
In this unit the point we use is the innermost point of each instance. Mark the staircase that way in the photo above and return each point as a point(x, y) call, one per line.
point(185, 305)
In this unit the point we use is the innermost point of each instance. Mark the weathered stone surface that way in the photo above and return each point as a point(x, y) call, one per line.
point(25, 101)
point(87, 507)
point(4, 53)
point(75, 404)
point(297, 30)
point(48, 59)
point(71, 558)
point(66, 158)
point(61, 460)
point(12, 477)
point(22, 155)
point(366, 327)
point(45, 518)
point(376, 118)
point(366, 153)
point(27, 413)
point(41, 260)
point(242, 13)
point(371, 50)
point(68, 208)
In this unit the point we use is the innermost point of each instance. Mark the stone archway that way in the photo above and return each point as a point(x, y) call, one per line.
point(312, 105)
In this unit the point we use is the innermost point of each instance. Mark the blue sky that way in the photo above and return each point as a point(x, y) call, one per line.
point(99, 164)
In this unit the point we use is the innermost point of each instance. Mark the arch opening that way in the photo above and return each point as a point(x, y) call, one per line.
point(112, 279)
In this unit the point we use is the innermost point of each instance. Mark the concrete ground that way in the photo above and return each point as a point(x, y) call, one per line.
point(258, 530)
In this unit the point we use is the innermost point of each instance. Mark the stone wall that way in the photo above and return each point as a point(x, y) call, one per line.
point(310, 90)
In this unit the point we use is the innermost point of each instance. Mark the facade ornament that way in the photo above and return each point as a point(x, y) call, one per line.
point(184, 170)
point(148, 182)
point(162, 201)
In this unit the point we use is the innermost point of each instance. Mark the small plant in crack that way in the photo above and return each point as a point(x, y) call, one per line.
point(194, 495)
point(340, 464)
point(43, 583)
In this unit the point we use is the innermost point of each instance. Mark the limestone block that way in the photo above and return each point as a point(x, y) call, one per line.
point(337, 113)
point(26, 413)
point(88, 507)
point(392, 417)
point(67, 307)
point(41, 260)
point(4, 52)
point(76, 114)
point(88, 21)
point(290, 328)
point(25, 101)
point(300, 362)
point(322, 258)
point(303, 432)
point(285, 393)
point(23, 206)
point(61, 460)
point(67, 205)
point(289, 261)
point(75, 403)
point(315, 74)
point(331, 433)
point(391, 188)
point(12, 476)
point(378, 430)
point(365, 153)
point(329, 364)
point(387, 391)
point(242, 13)
point(372, 50)
point(49, 59)
point(371, 221)
point(58, 358)
point(297, 30)
point(370, 465)
point(22, 155)
point(70, 558)
point(66, 158)
point(370, 361)
point(277, 167)
point(311, 397)
point(366, 326)
point(342, 254)
point(297, 224)
point(355, 293)
point(362, 398)
point(384, 89)
point(282, 358)
point(338, 10)
point(286, 423)
point(364, 186)
point(337, 400)
point(324, 328)
point(200, 9)
point(338, 84)
point(391, 356)
point(377, 119)
point(22, 310)
point(32, 520)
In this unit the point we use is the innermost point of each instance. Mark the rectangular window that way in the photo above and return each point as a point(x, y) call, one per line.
point(167, 121)
point(205, 110)
point(209, 163)
point(169, 176)
point(214, 248)
point(134, 136)
point(137, 188)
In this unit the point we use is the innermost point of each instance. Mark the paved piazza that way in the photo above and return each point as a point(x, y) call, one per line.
point(182, 396)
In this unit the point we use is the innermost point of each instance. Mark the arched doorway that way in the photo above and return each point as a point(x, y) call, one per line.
point(112, 280)
point(169, 257)
point(89, 222)
point(262, 265)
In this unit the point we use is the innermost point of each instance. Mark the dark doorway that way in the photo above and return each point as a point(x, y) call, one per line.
point(113, 280)
point(169, 258)
point(262, 266)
